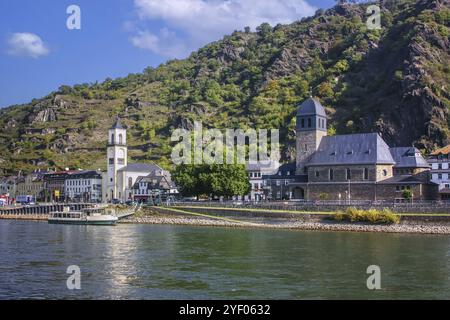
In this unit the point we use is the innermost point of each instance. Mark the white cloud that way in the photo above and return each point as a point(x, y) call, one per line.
point(27, 44)
point(203, 21)
point(165, 43)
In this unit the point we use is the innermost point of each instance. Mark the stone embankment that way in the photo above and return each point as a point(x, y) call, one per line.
point(183, 218)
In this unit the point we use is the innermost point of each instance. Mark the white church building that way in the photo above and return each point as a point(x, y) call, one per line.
point(120, 177)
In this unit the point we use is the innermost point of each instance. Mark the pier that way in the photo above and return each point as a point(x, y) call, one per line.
point(38, 212)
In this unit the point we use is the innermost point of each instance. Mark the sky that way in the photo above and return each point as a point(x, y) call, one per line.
point(39, 52)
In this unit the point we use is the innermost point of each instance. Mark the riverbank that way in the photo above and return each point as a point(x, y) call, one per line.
point(180, 217)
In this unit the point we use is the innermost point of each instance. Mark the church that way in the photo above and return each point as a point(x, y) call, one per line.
point(347, 167)
point(120, 177)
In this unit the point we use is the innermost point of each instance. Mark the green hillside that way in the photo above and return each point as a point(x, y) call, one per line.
point(394, 81)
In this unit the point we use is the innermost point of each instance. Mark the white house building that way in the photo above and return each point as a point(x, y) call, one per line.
point(84, 186)
point(440, 170)
point(255, 175)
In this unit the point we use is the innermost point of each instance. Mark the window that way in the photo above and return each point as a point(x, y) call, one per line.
point(111, 160)
point(440, 176)
point(121, 161)
point(278, 183)
point(120, 139)
point(112, 138)
point(331, 174)
point(385, 173)
point(317, 174)
point(130, 182)
point(303, 123)
point(348, 174)
point(309, 123)
point(366, 174)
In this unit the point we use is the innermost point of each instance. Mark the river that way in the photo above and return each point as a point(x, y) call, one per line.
point(178, 262)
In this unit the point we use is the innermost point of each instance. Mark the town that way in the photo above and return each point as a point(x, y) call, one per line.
point(340, 167)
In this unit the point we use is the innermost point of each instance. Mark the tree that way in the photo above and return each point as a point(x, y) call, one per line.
point(212, 180)
point(407, 194)
point(264, 29)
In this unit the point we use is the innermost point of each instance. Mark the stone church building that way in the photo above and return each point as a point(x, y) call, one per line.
point(347, 167)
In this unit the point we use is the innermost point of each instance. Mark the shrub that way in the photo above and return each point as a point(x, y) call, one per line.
point(374, 216)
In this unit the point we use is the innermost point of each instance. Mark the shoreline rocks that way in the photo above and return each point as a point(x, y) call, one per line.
point(290, 224)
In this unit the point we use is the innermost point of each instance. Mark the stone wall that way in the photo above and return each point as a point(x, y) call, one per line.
point(307, 143)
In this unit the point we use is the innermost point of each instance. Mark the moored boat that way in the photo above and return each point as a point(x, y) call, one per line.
point(93, 216)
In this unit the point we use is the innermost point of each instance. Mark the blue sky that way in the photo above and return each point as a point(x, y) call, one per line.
point(38, 52)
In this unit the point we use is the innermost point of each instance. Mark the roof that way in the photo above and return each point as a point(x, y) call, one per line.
point(85, 174)
point(403, 179)
point(444, 150)
point(117, 124)
point(283, 171)
point(364, 148)
point(142, 167)
point(155, 182)
point(270, 166)
point(408, 157)
point(310, 107)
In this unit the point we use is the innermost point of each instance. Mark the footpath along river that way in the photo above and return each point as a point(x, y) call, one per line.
point(133, 261)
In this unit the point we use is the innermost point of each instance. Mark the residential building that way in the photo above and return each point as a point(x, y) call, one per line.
point(439, 161)
point(8, 186)
point(33, 185)
point(84, 186)
point(255, 175)
point(55, 184)
point(153, 186)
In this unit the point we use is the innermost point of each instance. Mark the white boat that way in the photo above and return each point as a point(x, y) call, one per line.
point(95, 216)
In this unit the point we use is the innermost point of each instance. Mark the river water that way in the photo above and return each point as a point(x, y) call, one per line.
point(178, 262)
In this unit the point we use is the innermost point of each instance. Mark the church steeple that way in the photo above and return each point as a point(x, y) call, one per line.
point(117, 154)
point(311, 128)
point(117, 124)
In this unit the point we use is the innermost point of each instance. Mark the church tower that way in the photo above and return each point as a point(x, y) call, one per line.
point(311, 128)
point(116, 157)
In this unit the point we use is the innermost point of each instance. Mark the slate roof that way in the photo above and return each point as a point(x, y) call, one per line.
point(141, 167)
point(406, 179)
point(117, 124)
point(408, 157)
point(352, 149)
point(310, 107)
point(270, 166)
point(284, 169)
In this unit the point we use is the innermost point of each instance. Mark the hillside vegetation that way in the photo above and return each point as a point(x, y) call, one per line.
point(394, 81)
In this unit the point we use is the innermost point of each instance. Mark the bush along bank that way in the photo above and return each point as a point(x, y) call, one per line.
point(373, 216)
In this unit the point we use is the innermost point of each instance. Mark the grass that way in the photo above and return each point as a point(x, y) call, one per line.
point(374, 216)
